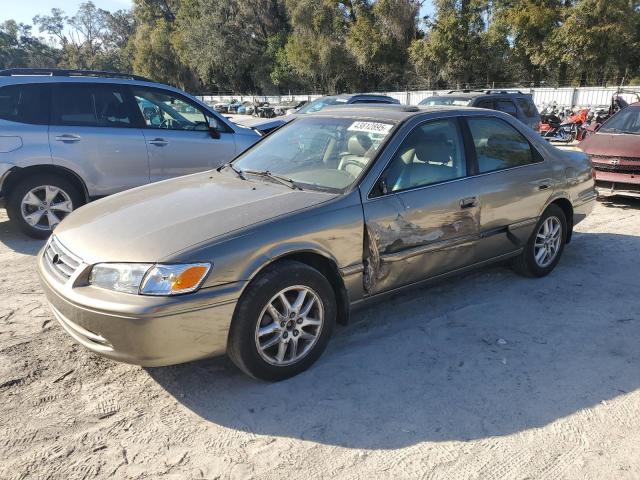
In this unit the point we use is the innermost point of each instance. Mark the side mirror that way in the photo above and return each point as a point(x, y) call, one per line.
point(212, 125)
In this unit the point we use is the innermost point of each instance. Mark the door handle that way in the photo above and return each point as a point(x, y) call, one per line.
point(159, 142)
point(469, 202)
point(68, 137)
point(544, 184)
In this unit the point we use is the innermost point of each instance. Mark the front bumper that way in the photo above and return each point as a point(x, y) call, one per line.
point(614, 183)
point(143, 330)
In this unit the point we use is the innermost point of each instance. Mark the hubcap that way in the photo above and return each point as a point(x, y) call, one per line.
point(547, 244)
point(289, 325)
point(45, 206)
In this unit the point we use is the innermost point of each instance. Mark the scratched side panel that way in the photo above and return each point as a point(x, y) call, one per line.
point(418, 234)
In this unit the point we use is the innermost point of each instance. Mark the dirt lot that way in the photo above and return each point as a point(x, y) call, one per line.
point(489, 376)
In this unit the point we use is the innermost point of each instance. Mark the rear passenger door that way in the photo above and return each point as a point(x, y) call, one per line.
point(93, 132)
point(177, 134)
point(513, 184)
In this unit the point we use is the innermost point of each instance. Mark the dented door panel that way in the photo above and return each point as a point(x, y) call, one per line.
point(418, 234)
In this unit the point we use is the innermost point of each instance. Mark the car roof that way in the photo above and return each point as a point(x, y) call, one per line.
point(390, 112)
point(349, 96)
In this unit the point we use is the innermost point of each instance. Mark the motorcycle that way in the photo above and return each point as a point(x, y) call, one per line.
point(568, 129)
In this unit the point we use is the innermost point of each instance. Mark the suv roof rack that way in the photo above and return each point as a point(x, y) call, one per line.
point(504, 91)
point(54, 72)
point(488, 91)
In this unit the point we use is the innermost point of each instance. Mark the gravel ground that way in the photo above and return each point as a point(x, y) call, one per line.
point(487, 376)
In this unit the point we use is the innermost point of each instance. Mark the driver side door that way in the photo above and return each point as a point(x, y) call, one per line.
point(177, 135)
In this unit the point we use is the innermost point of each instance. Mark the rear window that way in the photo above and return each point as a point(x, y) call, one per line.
point(25, 103)
point(98, 105)
point(528, 107)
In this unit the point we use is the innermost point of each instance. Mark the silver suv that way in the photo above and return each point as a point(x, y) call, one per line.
point(69, 136)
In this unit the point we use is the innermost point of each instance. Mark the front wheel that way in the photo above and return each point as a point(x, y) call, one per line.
point(283, 322)
point(543, 250)
point(39, 203)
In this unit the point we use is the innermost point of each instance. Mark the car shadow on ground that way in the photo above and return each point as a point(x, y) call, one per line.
point(15, 239)
point(473, 357)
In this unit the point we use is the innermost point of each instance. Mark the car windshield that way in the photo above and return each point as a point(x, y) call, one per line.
point(318, 153)
point(625, 121)
point(320, 103)
point(446, 100)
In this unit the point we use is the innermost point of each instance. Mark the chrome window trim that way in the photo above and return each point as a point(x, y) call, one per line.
point(483, 115)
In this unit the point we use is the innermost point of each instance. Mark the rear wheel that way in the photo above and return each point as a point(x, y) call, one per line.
point(283, 322)
point(39, 203)
point(543, 250)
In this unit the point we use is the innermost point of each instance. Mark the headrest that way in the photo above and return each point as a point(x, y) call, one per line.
point(434, 149)
point(359, 144)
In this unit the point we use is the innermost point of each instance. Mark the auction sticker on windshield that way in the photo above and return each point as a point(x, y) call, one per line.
point(370, 127)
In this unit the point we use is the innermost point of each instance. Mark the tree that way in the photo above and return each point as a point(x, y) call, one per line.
point(153, 46)
point(379, 40)
point(232, 43)
point(18, 48)
point(81, 36)
point(600, 40)
point(452, 51)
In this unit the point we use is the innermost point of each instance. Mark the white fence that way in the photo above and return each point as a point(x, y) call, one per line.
point(566, 97)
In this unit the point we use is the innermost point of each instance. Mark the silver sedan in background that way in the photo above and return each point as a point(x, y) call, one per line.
point(261, 258)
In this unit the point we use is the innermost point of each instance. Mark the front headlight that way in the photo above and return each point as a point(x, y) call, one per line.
point(149, 279)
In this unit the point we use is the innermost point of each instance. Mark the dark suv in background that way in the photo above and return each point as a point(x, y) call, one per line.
point(513, 102)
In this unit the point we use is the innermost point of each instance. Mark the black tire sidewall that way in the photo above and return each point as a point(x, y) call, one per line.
point(20, 190)
point(529, 252)
point(241, 346)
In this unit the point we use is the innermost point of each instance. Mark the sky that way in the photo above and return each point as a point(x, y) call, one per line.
point(24, 10)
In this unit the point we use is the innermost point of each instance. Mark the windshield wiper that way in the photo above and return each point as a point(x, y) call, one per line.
point(278, 178)
point(239, 172)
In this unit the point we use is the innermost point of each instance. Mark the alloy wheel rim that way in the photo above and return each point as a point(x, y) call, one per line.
point(289, 326)
point(547, 243)
point(45, 206)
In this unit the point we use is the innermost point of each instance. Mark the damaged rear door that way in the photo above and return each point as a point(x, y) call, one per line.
point(422, 218)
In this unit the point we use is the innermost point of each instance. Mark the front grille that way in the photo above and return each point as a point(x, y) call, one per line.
point(60, 260)
point(630, 169)
point(609, 159)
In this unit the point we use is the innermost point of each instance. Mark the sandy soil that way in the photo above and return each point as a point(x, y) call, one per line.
point(487, 376)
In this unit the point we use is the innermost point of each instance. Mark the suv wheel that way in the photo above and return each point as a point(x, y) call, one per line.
point(38, 203)
point(544, 249)
point(283, 322)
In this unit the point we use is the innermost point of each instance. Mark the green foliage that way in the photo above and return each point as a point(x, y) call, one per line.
point(266, 46)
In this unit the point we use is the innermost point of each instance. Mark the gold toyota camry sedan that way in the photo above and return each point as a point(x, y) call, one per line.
point(260, 258)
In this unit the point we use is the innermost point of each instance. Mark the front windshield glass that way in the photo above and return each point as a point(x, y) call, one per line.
point(446, 100)
point(320, 103)
point(317, 152)
point(625, 121)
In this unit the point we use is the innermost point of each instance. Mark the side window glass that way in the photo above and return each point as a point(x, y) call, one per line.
point(499, 145)
point(485, 104)
point(507, 106)
point(25, 103)
point(432, 153)
point(74, 105)
point(527, 107)
point(164, 110)
point(90, 106)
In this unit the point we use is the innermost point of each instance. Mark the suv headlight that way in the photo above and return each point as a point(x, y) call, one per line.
point(149, 279)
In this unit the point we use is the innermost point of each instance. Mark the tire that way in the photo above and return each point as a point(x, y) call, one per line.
point(526, 263)
point(68, 198)
point(252, 311)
